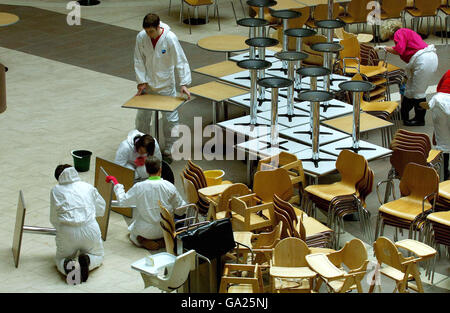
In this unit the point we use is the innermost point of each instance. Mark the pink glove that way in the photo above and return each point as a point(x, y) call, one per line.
point(140, 161)
point(111, 179)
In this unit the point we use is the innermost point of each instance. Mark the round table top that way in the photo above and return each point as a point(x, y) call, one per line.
point(291, 55)
point(285, 14)
point(223, 43)
point(326, 47)
point(7, 19)
point(300, 32)
point(313, 71)
point(261, 3)
point(254, 64)
point(315, 96)
point(252, 22)
point(262, 42)
point(330, 24)
point(357, 86)
point(275, 82)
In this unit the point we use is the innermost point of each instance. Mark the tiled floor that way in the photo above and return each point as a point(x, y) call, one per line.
point(65, 86)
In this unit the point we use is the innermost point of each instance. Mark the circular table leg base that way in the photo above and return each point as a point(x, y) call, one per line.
point(195, 21)
point(88, 2)
point(316, 162)
point(355, 149)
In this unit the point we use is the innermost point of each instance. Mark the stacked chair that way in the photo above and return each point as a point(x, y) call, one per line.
point(350, 64)
point(321, 13)
point(443, 200)
point(308, 229)
point(331, 267)
point(438, 233)
point(195, 175)
point(221, 208)
point(234, 282)
point(418, 190)
point(394, 265)
point(355, 174)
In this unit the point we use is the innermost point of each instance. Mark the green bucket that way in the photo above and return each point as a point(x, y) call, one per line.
point(81, 159)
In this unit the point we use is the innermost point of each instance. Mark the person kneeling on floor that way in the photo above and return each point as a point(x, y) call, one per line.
point(74, 204)
point(145, 230)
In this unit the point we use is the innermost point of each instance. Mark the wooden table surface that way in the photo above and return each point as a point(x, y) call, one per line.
point(7, 19)
point(224, 43)
point(220, 69)
point(217, 91)
point(368, 122)
point(154, 102)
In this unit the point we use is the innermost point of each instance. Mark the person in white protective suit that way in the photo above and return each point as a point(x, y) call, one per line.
point(422, 63)
point(158, 56)
point(145, 229)
point(439, 106)
point(74, 204)
point(133, 151)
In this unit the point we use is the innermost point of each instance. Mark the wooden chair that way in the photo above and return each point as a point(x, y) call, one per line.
point(438, 233)
point(264, 242)
point(270, 182)
point(204, 175)
point(340, 33)
point(190, 187)
point(391, 10)
point(291, 164)
point(297, 22)
point(245, 211)
point(418, 186)
point(398, 268)
point(330, 267)
point(230, 283)
point(352, 168)
point(443, 200)
point(196, 4)
point(314, 57)
point(350, 64)
point(356, 13)
point(425, 8)
point(289, 271)
point(221, 209)
point(320, 13)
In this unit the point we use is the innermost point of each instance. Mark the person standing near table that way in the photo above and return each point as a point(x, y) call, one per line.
point(158, 56)
point(422, 63)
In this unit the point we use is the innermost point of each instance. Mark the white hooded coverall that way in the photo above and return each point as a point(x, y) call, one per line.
point(126, 155)
point(145, 196)
point(157, 67)
point(440, 111)
point(74, 204)
point(419, 71)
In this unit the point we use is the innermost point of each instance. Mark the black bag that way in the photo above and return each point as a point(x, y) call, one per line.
point(210, 240)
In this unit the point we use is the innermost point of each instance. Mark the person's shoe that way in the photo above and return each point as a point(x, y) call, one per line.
point(148, 243)
point(414, 123)
point(84, 261)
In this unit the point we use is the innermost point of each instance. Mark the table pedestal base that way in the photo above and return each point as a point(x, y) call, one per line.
point(278, 145)
point(195, 21)
point(291, 116)
point(88, 2)
point(316, 162)
point(355, 149)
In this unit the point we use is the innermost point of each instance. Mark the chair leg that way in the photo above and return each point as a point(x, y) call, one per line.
point(243, 9)
point(218, 16)
point(189, 20)
point(234, 12)
point(170, 4)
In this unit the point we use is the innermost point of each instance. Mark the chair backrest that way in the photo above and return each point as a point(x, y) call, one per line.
point(354, 254)
point(285, 160)
point(196, 177)
point(387, 253)
point(400, 158)
point(419, 181)
point(189, 190)
point(169, 237)
point(179, 272)
point(234, 190)
point(290, 252)
point(351, 166)
point(268, 183)
point(280, 218)
point(358, 10)
point(393, 9)
point(350, 49)
point(427, 7)
point(199, 172)
point(342, 34)
point(415, 135)
point(298, 22)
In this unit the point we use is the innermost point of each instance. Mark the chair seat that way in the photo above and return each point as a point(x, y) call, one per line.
point(440, 217)
point(241, 288)
point(337, 285)
point(385, 16)
point(198, 2)
point(313, 226)
point(348, 19)
point(444, 189)
point(367, 70)
point(386, 106)
point(328, 192)
point(445, 9)
point(321, 250)
point(418, 13)
point(292, 272)
point(405, 208)
point(433, 155)
point(393, 273)
point(392, 67)
point(255, 219)
point(418, 248)
point(292, 286)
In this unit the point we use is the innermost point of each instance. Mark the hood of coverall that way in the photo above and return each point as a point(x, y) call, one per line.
point(68, 176)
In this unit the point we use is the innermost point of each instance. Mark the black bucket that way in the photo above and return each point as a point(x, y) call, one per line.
point(81, 160)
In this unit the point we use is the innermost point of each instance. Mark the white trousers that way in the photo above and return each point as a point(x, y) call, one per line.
point(71, 240)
